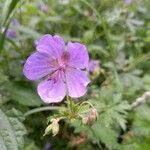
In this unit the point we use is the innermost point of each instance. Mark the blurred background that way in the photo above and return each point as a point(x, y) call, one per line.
point(117, 35)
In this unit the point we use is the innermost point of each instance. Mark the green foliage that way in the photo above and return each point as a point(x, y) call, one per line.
point(142, 121)
point(11, 130)
point(98, 133)
point(116, 114)
point(23, 95)
point(9, 7)
point(116, 34)
point(112, 112)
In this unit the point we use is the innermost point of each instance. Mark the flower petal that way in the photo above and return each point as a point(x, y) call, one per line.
point(76, 82)
point(52, 45)
point(52, 90)
point(79, 57)
point(38, 65)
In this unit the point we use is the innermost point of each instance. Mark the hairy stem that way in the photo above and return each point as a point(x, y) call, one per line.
point(141, 100)
point(69, 103)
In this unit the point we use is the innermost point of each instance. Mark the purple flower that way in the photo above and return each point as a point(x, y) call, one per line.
point(43, 7)
point(93, 65)
point(15, 23)
point(62, 67)
point(127, 1)
point(11, 34)
point(47, 146)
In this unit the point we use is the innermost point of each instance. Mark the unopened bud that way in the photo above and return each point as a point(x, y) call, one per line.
point(85, 120)
point(53, 127)
point(91, 118)
point(94, 113)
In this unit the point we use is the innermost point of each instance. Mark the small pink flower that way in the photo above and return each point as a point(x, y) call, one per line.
point(62, 67)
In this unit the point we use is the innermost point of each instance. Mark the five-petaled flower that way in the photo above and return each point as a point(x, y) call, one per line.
point(62, 65)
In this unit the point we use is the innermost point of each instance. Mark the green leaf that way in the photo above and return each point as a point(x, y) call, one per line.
point(11, 131)
point(106, 135)
point(113, 111)
point(3, 77)
point(30, 32)
point(98, 133)
point(115, 114)
point(98, 49)
point(141, 124)
point(23, 95)
point(8, 8)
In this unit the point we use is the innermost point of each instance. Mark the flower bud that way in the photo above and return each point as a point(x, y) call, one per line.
point(48, 129)
point(85, 120)
point(53, 127)
point(91, 118)
point(94, 114)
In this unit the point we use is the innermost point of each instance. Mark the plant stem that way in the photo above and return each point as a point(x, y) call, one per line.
point(67, 96)
point(141, 100)
point(137, 61)
point(68, 101)
point(86, 102)
point(36, 110)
